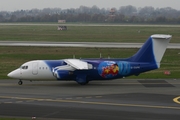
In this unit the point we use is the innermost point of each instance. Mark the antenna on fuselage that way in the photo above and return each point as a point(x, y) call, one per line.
point(109, 56)
point(74, 56)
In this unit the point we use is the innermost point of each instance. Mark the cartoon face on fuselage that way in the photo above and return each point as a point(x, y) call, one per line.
point(113, 69)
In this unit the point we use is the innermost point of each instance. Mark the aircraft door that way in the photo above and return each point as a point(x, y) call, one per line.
point(35, 68)
point(21, 72)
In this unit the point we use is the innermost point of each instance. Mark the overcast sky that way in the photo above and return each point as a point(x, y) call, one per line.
point(12, 5)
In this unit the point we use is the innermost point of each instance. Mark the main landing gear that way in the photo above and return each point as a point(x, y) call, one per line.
point(83, 83)
point(20, 82)
point(82, 79)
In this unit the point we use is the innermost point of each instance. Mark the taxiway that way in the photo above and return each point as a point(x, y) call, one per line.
point(119, 99)
point(81, 44)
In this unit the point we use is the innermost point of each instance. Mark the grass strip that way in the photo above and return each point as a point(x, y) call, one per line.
point(12, 57)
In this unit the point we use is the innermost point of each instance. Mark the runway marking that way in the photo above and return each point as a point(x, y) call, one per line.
point(88, 97)
point(39, 100)
point(177, 100)
point(98, 96)
point(7, 102)
point(78, 97)
point(95, 103)
point(68, 98)
point(19, 101)
point(30, 101)
point(58, 98)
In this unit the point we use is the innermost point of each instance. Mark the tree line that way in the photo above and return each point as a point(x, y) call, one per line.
point(125, 14)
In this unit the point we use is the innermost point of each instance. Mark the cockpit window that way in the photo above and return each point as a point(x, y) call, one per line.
point(24, 67)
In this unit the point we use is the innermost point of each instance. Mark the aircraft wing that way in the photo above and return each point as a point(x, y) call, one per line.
point(78, 64)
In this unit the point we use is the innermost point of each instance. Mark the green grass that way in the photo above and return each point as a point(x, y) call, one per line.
point(13, 119)
point(84, 33)
point(12, 57)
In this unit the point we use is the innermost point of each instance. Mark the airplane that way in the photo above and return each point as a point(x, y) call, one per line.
point(147, 58)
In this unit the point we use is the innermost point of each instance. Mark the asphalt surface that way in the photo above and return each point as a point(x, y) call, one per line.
point(80, 44)
point(119, 99)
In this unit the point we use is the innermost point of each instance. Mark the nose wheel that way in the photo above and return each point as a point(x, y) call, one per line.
point(20, 82)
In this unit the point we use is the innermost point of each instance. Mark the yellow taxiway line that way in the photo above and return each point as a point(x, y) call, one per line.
point(94, 103)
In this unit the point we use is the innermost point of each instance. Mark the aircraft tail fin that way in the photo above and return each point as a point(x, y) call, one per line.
point(152, 50)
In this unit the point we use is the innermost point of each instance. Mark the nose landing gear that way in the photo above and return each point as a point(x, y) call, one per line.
point(20, 82)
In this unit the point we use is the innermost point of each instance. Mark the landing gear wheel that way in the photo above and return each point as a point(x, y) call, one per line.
point(20, 82)
point(83, 83)
point(82, 79)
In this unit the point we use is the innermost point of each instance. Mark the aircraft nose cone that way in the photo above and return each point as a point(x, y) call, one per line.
point(14, 74)
point(10, 74)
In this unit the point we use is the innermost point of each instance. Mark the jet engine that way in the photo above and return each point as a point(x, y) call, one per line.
point(63, 72)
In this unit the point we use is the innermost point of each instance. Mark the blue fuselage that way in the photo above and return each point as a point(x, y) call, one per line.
point(103, 69)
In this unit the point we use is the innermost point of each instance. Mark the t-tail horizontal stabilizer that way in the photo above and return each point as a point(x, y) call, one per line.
point(153, 49)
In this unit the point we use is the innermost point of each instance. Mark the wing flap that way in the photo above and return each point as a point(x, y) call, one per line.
point(78, 64)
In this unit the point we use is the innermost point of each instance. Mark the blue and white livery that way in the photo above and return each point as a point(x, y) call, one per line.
point(84, 70)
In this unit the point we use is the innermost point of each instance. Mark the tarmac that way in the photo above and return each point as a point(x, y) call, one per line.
point(125, 99)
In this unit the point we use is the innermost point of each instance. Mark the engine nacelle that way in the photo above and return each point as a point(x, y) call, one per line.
point(61, 74)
